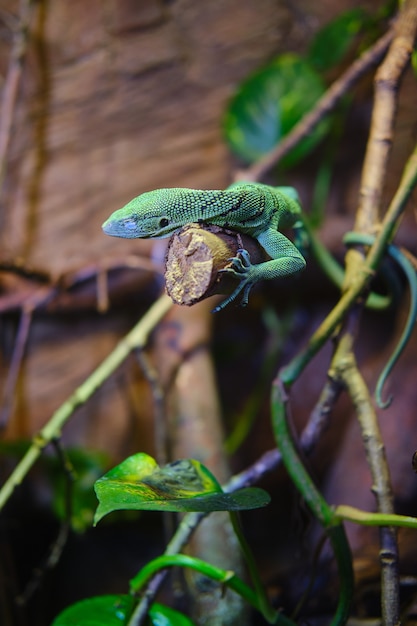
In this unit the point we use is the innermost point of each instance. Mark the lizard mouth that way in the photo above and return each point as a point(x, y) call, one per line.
point(126, 228)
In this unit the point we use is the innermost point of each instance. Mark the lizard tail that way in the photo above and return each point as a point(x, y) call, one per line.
point(410, 273)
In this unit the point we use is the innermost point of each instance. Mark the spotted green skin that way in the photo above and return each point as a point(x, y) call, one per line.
point(253, 209)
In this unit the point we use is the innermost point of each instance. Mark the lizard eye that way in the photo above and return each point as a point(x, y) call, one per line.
point(163, 222)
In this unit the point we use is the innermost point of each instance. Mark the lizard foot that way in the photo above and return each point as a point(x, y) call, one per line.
point(240, 265)
point(240, 268)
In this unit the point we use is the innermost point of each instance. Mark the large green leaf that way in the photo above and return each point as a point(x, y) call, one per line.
point(98, 611)
point(268, 105)
point(335, 39)
point(138, 483)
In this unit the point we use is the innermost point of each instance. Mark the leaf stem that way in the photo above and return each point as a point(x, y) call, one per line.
point(222, 576)
point(365, 518)
point(264, 606)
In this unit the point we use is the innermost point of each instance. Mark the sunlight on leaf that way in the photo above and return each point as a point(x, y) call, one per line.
point(138, 483)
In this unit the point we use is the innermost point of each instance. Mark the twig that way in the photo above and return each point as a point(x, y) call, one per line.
point(349, 374)
point(60, 541)
point(15, 266)
point(160, 432)
point(182, 536)
point(68, 280)
point(136, 338)
point(102, 292)
point(39, 298)
point(12, 82)
point(323, 107)
point(14, 369)
point(374, 171)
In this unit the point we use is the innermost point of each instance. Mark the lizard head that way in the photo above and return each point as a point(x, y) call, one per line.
point(151, 214)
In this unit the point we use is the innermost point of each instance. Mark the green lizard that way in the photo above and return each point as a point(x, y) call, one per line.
point(260, 211)
point(253, 209)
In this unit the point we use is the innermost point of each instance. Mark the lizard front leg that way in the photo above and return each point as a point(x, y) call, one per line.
point(286, 260)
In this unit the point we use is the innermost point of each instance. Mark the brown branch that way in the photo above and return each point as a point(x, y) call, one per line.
point(387, 81)
point(15, 365)
point(38, 299)
point(32, 299)
point(346, 370)
point(60, 284)
point(195, 256)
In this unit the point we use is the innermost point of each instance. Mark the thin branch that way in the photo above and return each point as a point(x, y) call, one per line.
point(160, 430)
point(39, 298)
point(387, 81)
point(347, 371)
point(59, 543)
point(57, 285)
point(182, 536)
point(15, 365)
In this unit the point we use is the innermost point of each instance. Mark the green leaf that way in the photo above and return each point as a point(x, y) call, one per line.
point(268, 105)
point(138, 483)
point(109, 610)
point(164, 616)
point(335, 39)
point(114, 610)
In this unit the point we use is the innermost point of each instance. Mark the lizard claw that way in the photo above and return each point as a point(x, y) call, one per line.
point(240, 268)
point(240, 264)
